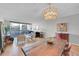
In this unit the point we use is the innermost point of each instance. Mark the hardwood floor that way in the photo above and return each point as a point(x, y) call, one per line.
point(74, 50)
point(14, 50)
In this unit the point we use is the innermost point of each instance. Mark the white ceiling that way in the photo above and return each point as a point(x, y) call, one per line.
point(34, 11)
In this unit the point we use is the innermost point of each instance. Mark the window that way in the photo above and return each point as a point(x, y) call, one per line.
point(19, 28)
point(35, 27)
point(29, 27)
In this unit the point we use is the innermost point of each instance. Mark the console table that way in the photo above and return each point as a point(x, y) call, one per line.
point(62, 36)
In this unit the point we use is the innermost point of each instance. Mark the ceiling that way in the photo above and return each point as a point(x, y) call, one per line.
point(34, 10)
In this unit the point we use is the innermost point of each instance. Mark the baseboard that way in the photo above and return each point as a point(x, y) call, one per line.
point(75, 44)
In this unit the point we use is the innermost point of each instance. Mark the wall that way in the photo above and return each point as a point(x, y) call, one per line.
point(2, 31)
point(49, 27)
point(73, 27)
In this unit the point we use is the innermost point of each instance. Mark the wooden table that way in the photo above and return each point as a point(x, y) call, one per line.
point(48, 50)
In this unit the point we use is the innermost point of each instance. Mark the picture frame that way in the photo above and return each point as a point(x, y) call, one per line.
point(62, 27)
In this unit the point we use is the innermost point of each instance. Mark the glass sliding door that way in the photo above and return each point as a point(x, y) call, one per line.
point(20, 28)
point(14, 29)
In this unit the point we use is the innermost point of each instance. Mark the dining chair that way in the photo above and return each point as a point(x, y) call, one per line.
point(66, 50)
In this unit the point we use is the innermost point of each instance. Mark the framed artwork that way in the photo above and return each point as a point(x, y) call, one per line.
point(62, 27)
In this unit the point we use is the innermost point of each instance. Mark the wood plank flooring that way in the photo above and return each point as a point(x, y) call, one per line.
point(74, 50)
point(13, 50)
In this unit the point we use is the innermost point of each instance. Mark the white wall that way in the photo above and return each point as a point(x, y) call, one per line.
point(49, 27)
point(72, 21)
point(73, 27)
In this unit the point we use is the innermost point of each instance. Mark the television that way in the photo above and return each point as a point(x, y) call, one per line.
point(37, 34)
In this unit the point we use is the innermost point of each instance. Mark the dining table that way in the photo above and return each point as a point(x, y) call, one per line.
point(45, 49)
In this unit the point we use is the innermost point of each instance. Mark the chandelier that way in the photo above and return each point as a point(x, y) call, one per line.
point(50, 13)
